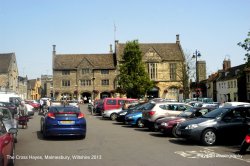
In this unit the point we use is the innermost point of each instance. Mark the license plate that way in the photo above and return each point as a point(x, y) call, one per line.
point(68, 122)
point(178, 132)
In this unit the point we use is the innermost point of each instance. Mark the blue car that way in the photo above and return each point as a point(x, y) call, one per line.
point(63, 121)
point(134, 119)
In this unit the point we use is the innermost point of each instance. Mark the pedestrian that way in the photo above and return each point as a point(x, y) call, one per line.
point(41, 105)
point(85, 99)
point(125, 105)
point(22, 109)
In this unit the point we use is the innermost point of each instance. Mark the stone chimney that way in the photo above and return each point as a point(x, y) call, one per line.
point(226, 64)
point(177, 39)
point(54, 49)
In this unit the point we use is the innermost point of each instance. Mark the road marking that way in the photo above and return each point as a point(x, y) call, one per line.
point(206, 153)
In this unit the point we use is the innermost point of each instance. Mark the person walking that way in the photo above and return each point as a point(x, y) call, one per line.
point(41, 105)
point(22, 114)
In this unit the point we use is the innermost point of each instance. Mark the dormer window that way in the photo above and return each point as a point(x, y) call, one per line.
point(237, 72)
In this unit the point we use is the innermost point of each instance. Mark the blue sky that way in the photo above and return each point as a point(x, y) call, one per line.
point(30, 28)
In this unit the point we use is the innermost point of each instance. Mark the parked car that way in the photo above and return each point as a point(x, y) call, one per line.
point(73, 103)
point(161, 110)
point(221, 123)
point(8, 120)
point(121, 115)
point(111, 114)
point(7, 145)
point(63, 120)
point(34, 104)
point(12, 107)
point(98, 107)
point(30, 109)
point(134, 119)
point(168, 125)
point(115, 103)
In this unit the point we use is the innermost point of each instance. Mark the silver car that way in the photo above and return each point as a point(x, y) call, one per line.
point(8, 120)
point(161, 110)
point(111, 114)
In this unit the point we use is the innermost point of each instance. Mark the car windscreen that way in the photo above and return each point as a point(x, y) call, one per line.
point(5, 113)
point(148, 106)
point(64, 109)
point(215, 113)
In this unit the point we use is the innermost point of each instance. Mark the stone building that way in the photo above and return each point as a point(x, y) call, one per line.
point(78, 76)
point(201, 71)
point(95, 75)
point(8, 72)
point(23, 87)
point(164, 63)
point(46, 86)
point(34, 89)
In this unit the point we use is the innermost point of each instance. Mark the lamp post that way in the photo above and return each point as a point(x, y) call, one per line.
point(196, 55)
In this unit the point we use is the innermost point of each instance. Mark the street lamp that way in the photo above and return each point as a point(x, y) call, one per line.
point(196, 55)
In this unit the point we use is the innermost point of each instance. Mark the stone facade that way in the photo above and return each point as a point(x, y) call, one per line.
point(46, 86)
point(22, 87)
point(8, 72)
point(34, 89)
point(95, 75)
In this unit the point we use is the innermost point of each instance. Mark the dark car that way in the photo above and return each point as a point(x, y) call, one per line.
point(168, 125)
point(226, 123)
point(11, 106)
point(63, 121)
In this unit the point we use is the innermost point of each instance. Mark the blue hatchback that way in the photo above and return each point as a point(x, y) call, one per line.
point(63, 120)
point(134, 119)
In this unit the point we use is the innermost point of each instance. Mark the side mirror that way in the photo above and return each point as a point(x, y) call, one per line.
point(12, 131)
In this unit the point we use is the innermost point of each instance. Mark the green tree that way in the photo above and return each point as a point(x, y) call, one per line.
point(246, 46)
point(133, 77)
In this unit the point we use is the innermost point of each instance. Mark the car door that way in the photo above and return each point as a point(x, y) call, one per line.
point(6, 141)
point(232, 124)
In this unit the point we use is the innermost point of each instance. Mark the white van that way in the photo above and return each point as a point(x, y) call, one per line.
point(10, 97)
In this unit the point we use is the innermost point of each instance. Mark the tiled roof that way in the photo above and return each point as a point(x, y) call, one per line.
point(5, 60)
point(167, 51)
point(231, 73)
point(71, 61)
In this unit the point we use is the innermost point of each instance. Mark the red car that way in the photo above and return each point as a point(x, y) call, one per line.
point(33, 103)
point(168, 125)
point(7, 145)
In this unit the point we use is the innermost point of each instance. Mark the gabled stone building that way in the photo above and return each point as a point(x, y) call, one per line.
point(96, 75)
point(34, 89)
point(8, 72)
point(77, 76)
point(164, 63)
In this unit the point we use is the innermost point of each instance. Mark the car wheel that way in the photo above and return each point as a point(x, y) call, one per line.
point(83, 136)
point(174, 132)
point(15, 138)
point(113, 116)
point(41, 128)
point(44, 133)
point(208, 137)
point(139, 123)
point(243, 148)
point(12, 158)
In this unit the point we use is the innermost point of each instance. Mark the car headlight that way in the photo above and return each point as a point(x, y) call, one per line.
point(130, 117)
point(164, 124)
point(192, 126)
